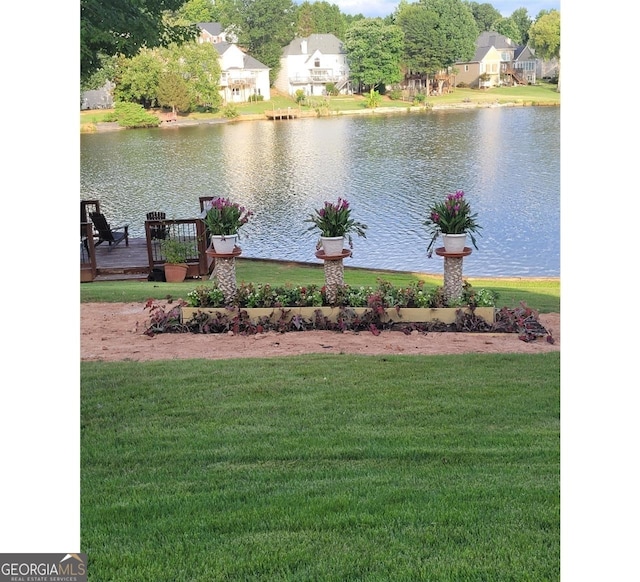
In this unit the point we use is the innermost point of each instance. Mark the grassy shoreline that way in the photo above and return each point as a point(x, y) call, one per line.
point(544, 94)
point(542, 294)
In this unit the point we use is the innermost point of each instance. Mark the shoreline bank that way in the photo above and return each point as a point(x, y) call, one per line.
point(113, 126)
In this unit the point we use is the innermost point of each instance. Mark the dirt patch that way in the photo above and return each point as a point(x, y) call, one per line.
point(115, 332)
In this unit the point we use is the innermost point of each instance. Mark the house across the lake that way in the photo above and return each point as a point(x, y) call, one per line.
point(242, 75)
point(314, 64)
point(497, 61)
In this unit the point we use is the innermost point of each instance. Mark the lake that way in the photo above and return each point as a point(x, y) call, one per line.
point(391, 168)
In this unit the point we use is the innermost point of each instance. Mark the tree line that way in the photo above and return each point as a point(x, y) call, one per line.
point(147, 47)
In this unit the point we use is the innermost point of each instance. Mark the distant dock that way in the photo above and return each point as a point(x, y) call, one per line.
point(282, 113)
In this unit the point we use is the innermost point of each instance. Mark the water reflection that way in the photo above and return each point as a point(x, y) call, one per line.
point(390, 167)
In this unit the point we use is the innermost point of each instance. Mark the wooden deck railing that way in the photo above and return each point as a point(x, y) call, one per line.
point(94, 263)
point(88, 267)
point(186, 229)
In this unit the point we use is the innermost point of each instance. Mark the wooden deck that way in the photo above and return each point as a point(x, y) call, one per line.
point(127, 262)
point(282, 113)
point(121, 261)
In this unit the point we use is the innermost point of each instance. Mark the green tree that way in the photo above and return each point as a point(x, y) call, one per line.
point(263, 28)
point(418, 25)
point(138, 78)
point(484, 15)
point(522, 20)
point(106, 72)
point(507, 27)
point(195, 11)
point(374, 52)
point(199, 65)
point(544, 36)
point(320, 17)
point(173, 92)
point(455, 34)
point(123, 27)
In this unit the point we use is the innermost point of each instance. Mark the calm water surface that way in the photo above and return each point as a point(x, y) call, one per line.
point(391, 168)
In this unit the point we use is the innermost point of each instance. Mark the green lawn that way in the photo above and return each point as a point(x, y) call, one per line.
point(386, 468)
point(540, 294)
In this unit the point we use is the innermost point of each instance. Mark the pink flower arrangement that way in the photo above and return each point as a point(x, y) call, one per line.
point(223, 217)
point(452, 216)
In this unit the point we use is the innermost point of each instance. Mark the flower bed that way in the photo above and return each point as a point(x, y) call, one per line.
point(334, 314)
point(262, 308)
point(257, 308)
point(384, 295)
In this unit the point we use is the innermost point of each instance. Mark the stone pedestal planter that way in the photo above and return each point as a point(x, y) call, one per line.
point(453, 282)
point(333, 271)
point(224, 271)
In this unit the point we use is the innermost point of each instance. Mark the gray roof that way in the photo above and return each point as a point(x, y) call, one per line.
point(248, 62)
point(523, 53)
point(213, 28)
point(495, 39)
point(327, 44)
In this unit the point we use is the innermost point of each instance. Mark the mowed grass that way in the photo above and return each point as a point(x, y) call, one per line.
point(540, 294)
point(398, 468)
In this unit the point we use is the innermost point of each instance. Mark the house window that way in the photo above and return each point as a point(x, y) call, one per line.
point(235, 91)
point(316, 63)
point(466, 68)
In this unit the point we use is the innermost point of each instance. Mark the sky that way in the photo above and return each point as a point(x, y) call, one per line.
point(373, 8)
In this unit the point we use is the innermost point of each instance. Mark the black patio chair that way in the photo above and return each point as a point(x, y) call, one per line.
point(107, 233)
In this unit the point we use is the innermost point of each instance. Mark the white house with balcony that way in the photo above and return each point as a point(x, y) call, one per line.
point(311, 63)
point(242, 76)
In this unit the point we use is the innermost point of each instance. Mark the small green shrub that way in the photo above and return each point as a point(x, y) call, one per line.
point(300, 97)
point(230, 111)
point(419, 99)
point(395, 94)
point(255, 98)
point(373, 99)
point(332, 89)
point(133, 115)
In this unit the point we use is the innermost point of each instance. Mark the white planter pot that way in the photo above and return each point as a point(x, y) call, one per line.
point(454, 243)
point(224, 244)
point(332, 245)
